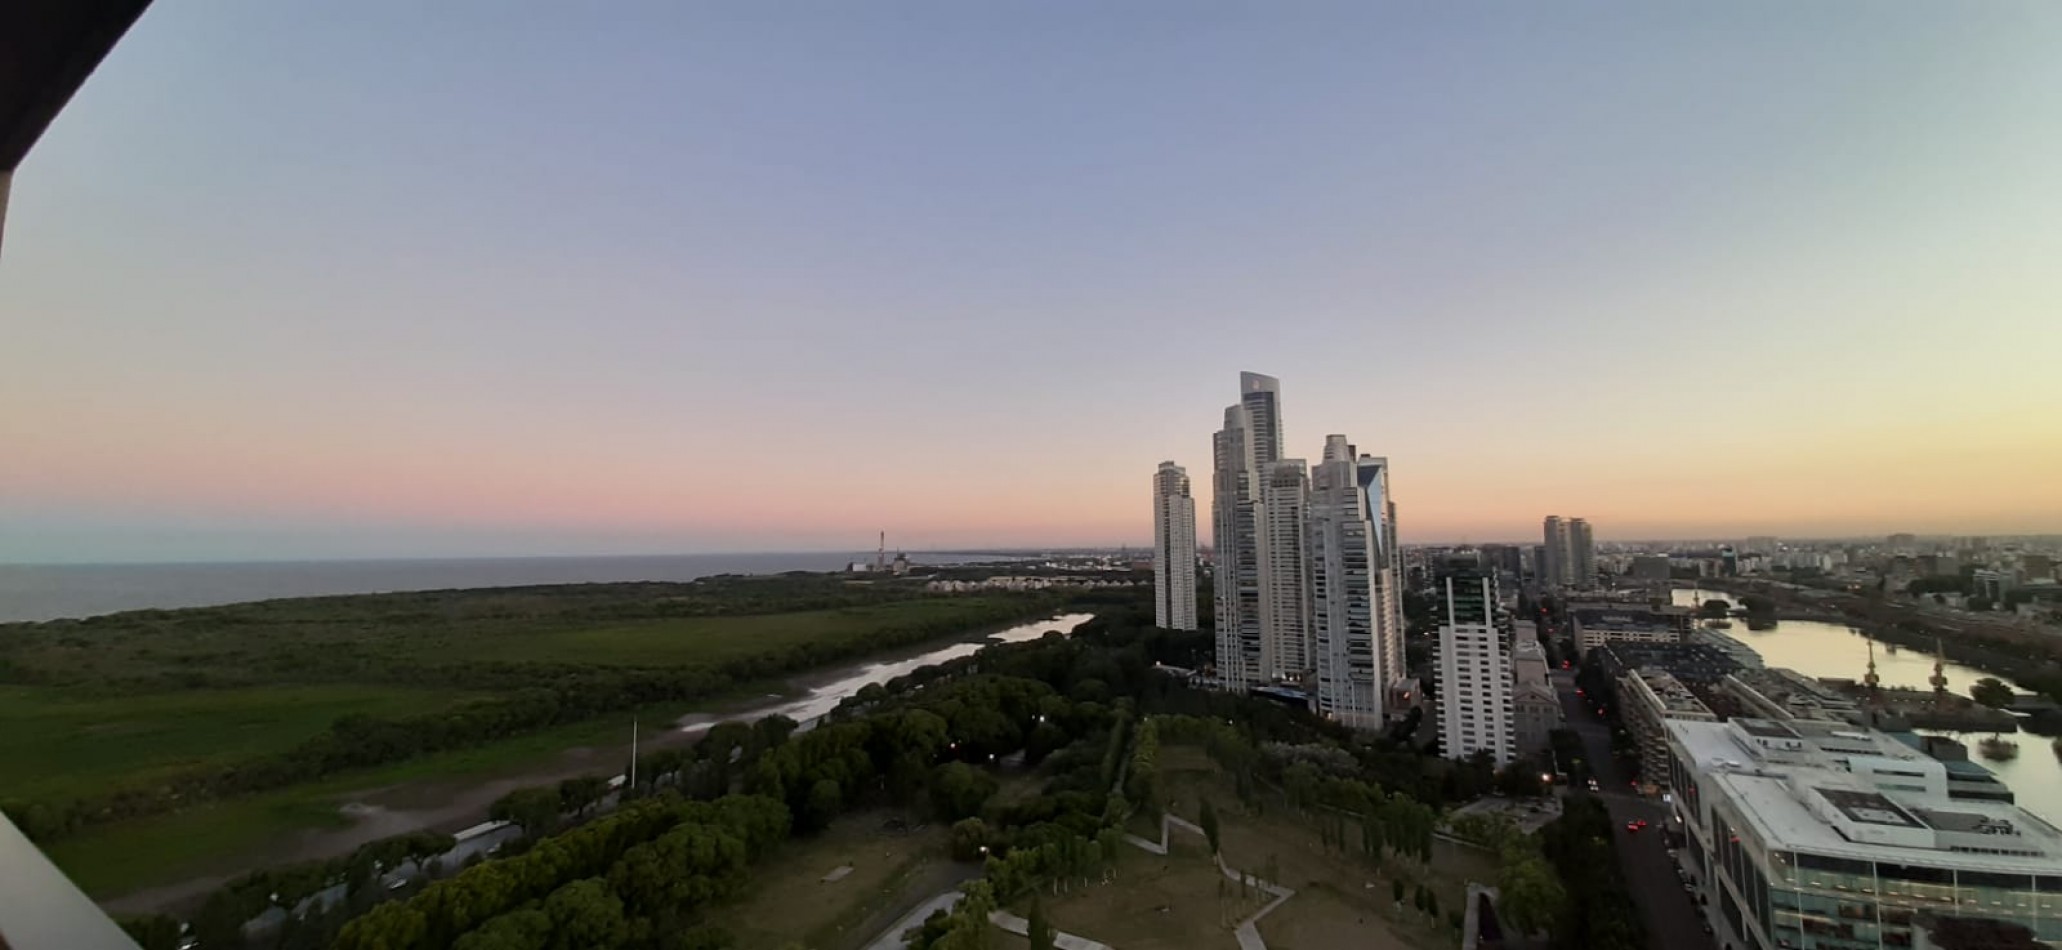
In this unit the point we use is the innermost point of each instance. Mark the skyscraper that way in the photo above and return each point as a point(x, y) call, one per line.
point(1285, 575)
point(1555, 570)
point(1356, 608)
point(1174, 549)
point(1582, 555)
point(1249, 442)
point(1474, 672)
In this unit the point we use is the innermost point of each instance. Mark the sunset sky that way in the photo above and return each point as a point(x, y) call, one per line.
point(386, 278)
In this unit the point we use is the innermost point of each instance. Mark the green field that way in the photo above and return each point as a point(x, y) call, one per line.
point(59, 742)
point(100, 709)
point(243, 833)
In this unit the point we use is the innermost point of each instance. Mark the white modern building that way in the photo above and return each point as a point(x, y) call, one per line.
point(1174, 549)
point(1805, 835)
point(1356, 597)
point(1243, 450)
point(1474, 673)
point(1285, 574)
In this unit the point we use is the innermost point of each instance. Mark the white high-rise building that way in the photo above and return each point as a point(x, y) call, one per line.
point(1174, 549)
point(1474, 673)
point(1356, 606)
point(1249, 442)
point(1285, 575)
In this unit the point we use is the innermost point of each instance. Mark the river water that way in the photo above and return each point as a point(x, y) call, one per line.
point(1816, 648)
point(819, 701)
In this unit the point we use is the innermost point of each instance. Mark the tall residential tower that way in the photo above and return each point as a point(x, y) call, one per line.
point(1356, 607)
point(1244, 450)
point(1474, 673)
point(1555, 568)
point(1582, 555)
point(1174, 549)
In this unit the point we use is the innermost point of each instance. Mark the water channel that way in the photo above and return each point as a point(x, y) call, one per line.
point(1820, 649)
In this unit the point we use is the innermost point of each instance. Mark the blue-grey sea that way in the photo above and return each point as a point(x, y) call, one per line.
point(50, 592)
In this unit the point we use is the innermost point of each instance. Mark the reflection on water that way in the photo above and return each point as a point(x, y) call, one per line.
point(1815, 648)
point(821, 700)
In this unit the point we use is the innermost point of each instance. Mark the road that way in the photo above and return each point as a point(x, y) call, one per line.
point(1673, 920)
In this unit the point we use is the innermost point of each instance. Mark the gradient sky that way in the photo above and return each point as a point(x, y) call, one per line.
point(403, 278)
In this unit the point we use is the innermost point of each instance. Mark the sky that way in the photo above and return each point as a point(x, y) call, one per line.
point(484, 277)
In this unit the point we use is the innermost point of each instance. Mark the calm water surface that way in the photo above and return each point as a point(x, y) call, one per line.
point(1815, 648)
point(48, 592)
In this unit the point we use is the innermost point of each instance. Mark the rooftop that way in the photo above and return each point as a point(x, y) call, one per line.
point(1802, 785)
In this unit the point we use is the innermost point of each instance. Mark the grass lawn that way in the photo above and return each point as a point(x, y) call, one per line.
point(789, 902)
point(1169, 903)
point(1337, 894)
point(59, 743)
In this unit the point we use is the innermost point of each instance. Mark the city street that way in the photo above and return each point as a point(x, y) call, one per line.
point(1672, 918)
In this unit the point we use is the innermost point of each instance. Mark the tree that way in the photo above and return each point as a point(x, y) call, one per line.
point(1532, 897)
point(969, 839)
point(958, 790)
point(1396, 890)
point(1715, 609)
point(825, 800)
point(1208, 820)
point(585, 914)
point(1040, 931)
point(1431, 904)
point(1992, 692)
point(579, 793)
point(519, 930)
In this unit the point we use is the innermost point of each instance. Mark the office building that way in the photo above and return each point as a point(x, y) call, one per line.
point(1556, 569)
point(1174, 549)
point(1649, 567)
point(1535, 707)
point(1474, 672)
point(1595, 624)
point(1285, 570)
point(1247, 445)
point(1356, 596)
point(1802, 835)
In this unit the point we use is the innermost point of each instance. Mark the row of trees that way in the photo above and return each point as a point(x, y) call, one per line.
point(1597, 912)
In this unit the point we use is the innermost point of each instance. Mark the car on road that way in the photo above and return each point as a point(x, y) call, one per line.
point(1636, 825)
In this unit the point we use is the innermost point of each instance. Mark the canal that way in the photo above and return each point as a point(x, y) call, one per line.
point(1816, 648)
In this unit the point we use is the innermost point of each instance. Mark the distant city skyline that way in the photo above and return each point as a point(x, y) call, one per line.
point(393, 279)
